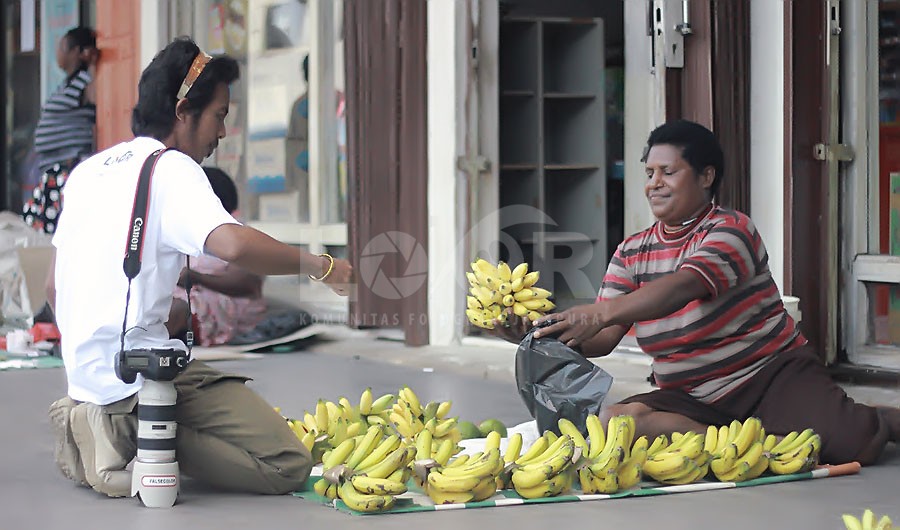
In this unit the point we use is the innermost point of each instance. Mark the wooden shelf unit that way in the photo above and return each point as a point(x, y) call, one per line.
point(553, 151)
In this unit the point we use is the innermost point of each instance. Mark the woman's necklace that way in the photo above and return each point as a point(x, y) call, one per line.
point(683, 224)
point(677, 229)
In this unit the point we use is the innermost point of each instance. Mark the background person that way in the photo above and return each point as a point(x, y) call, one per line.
point(227, 435)
point(697, 287)
point(226, 300)
point(64, 135)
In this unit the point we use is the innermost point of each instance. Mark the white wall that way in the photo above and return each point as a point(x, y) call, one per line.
point(640, 109)
point(153, 30)
point(767, 129)
point(444, 210)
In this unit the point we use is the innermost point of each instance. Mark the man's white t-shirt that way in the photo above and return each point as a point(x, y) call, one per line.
point(90, 242)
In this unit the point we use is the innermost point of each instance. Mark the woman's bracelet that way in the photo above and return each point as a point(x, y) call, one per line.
point(330, 268)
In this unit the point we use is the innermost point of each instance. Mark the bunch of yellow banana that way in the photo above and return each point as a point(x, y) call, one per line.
point(466, 479)
point(494, 289)
point(683, 461)
point(546, 473)
point(795, 453)
point(737, 450)
point(330, 425)
point(374, 487)
point(431, 451)
point(409, 418)
point(361, 453)
point(613, 459)
point(867, 522)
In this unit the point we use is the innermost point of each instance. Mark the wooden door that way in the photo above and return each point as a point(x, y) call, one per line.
point(810, 266)
point(713, 85)
point(387, 180)
point(119, 41)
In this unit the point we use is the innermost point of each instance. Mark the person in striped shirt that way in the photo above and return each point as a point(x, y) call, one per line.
point(64, 134)
point(697, 288)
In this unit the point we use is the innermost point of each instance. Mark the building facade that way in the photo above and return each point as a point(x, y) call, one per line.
point(413, 136)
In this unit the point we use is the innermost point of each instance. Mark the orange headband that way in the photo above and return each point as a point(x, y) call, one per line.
point(193, 73)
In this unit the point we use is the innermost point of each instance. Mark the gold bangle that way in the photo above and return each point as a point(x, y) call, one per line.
point(330, 268)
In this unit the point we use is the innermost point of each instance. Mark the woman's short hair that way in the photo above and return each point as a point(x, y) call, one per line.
point(81, 37)
point(224, 187)
point(699, 147)
point(154, 114)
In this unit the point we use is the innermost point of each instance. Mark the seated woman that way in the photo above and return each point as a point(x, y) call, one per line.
point(226, 301)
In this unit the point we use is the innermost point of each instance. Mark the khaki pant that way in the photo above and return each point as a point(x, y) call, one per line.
point(227, 436)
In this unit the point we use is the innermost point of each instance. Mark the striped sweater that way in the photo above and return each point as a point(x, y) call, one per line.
point(65, 130)
point(711, 345)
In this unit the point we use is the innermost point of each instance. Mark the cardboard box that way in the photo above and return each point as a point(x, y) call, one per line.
point(280, 207)
point(35, 263)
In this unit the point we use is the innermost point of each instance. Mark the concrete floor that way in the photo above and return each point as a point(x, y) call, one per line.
point(477, 376)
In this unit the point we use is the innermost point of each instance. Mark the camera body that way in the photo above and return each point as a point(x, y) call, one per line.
point(155, 364)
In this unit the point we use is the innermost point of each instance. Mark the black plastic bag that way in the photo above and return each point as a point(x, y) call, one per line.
point(557, 382)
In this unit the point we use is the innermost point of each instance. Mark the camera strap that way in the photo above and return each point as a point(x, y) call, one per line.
point(135, 244)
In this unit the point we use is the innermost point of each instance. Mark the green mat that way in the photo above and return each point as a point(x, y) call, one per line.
point(9, 361)
point(415, 499)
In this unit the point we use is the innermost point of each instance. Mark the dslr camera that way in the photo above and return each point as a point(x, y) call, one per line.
point(153, 363)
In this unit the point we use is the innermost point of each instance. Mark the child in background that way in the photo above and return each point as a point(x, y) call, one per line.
point(226, 301)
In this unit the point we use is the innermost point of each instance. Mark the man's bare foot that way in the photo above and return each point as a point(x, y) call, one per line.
point(891, 416)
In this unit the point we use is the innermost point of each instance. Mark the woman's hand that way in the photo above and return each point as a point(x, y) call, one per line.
point(183, 277)
point(576, 325)
point(513, 330)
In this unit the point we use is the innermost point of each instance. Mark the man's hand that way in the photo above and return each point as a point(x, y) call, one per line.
point(340, 277)
point(574, 326)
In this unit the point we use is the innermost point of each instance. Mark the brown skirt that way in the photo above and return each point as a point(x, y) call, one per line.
point(791, 393)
